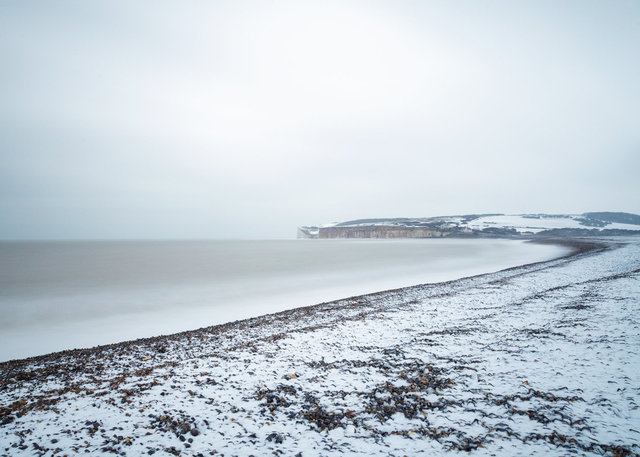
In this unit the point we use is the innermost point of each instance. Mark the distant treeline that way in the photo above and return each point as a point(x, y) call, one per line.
point(621, 218)
point(564, 232)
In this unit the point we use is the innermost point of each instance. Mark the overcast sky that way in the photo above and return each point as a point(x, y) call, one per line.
point(245, 119)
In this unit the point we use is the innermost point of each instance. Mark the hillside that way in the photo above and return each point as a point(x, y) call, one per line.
point(481, 225)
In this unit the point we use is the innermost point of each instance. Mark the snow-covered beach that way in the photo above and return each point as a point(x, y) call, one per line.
point(537, 359)
point(319, 228)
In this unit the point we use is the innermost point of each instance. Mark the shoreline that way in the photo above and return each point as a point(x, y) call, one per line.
point(576, 246)
point(124, 324)
point(535, 358)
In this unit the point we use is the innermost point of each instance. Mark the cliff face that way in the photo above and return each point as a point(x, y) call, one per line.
point(374, 231)
point(307, 232)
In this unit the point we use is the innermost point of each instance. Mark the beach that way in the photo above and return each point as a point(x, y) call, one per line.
point(344, 228)
point(537, 359)
point(77, 294)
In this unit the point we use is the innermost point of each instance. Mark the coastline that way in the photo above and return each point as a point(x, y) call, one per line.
point(291, 389)
point(575, 246)
point(82, 298)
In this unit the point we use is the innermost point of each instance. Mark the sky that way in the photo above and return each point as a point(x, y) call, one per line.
point(240, 119)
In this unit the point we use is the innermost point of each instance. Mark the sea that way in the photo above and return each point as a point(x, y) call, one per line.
point(57, 295)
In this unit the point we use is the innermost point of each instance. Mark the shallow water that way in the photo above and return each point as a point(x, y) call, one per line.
point(62, 295)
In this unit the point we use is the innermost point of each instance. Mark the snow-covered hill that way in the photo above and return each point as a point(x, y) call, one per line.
point(536, 223)
point(601, 223)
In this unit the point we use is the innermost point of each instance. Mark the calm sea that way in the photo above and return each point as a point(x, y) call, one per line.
point(61, 295)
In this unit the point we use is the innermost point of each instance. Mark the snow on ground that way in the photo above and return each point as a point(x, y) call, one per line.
point(542, 359)
point(524, 224)
point(538, 224)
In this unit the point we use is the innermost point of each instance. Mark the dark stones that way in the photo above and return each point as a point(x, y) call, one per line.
point(275, 437)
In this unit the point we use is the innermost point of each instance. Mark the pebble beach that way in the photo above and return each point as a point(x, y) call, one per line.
point(541, 359)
